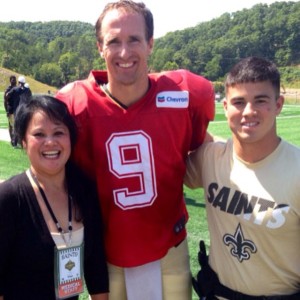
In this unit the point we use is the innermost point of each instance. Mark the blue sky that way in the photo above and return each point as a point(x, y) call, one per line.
point(169, 15)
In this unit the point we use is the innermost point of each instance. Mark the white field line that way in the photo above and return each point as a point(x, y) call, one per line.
point(279, 117)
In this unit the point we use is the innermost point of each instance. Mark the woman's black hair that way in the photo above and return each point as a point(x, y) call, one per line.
point(55, 109)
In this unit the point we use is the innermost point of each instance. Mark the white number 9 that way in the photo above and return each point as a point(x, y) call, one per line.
point(130, 155)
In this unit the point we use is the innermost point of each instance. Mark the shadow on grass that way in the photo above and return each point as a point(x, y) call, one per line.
point(193, 202)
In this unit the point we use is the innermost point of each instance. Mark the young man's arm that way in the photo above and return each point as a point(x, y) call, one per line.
point(212, 138)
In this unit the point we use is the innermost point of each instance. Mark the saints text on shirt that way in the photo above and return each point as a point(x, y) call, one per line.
point(250, 207)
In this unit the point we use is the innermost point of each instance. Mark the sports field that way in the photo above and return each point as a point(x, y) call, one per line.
point(13, 161)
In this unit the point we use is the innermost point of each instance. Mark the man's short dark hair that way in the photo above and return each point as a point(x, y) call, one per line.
point(254, 69)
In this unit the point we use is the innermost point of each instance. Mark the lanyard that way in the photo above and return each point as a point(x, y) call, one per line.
point(60, 230)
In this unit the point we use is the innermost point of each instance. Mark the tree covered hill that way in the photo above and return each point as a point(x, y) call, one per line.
point(211, 48)
point(61, 51)
point(48, 31)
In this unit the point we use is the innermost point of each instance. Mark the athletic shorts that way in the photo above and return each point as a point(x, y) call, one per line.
point(176, 276)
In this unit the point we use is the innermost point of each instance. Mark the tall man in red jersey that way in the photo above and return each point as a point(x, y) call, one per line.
point(135, 132)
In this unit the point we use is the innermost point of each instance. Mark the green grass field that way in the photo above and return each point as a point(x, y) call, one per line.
point(13, 161)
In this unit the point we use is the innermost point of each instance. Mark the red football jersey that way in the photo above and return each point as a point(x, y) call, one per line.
point(137, 156)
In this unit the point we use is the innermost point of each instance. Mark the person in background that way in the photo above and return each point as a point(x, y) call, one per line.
point(15, 96)
point(8, 105)
point(252, 190)
point(135, 130)
point(50, 225)
point(26, 93)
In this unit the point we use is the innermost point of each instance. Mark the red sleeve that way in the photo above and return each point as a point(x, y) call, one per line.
point(202, 106)
point(203, 115)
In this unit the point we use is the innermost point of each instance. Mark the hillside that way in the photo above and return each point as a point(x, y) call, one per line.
point(212, 48)
point(58, 52)
point(35, 86)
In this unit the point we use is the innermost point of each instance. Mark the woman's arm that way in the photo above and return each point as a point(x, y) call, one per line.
point(95, 265)
point(8, 220)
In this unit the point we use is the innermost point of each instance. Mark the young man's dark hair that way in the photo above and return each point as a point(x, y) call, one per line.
point(254, 69)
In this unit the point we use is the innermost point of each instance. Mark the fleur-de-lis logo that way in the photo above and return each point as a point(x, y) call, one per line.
point(241, 247)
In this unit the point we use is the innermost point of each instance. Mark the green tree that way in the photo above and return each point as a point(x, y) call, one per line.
point(213, 70)
point(50, 73)
point(170, 66)
point(68, 64)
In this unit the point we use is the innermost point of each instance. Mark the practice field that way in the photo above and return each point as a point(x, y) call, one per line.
point(13, 161)
point(287, 123)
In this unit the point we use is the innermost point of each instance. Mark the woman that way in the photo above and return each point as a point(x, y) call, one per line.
point(49, 214)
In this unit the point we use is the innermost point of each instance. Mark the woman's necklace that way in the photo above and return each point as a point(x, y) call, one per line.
point(59, 228)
